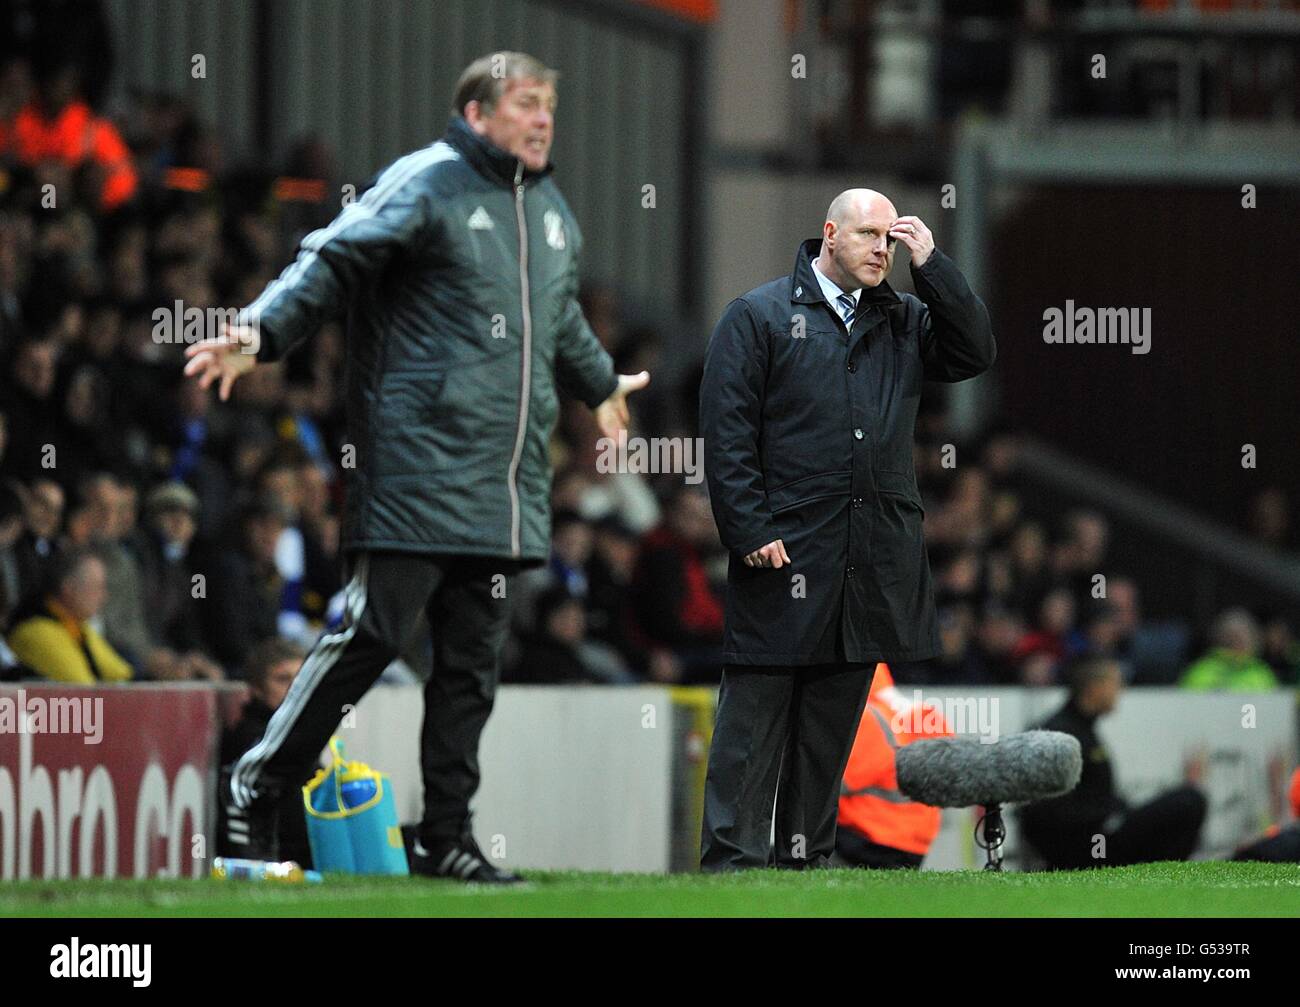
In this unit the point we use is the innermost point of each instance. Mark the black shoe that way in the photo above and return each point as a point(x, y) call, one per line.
point(250, 833)
point(462, 860)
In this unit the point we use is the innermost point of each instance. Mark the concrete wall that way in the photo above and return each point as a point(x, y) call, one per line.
point(575, 778)
point(582, 778)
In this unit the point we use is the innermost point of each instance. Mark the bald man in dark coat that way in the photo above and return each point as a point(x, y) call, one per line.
point(807, 409)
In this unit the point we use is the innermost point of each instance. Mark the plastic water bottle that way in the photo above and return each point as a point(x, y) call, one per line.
point(235, 869)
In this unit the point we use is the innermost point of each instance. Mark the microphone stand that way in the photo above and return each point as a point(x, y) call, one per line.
point(993, 832)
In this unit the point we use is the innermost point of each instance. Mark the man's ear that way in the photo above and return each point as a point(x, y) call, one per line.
point(474, 116)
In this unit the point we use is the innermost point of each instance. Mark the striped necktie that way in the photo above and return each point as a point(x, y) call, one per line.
point(848, 308)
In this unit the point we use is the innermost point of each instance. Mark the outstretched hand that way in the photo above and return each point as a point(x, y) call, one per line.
point(228, 357)
point(612, 415)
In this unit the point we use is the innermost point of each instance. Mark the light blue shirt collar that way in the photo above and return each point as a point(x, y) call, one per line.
point(831, 290)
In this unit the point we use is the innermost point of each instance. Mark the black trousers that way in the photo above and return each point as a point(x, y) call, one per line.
point(1165, 828)
point(782, 735)
point(466, 601)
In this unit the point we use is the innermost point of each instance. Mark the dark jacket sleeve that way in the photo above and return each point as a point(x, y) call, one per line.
point(583, 368)
point(334, 261)
point(731, 412)
point(956, 334)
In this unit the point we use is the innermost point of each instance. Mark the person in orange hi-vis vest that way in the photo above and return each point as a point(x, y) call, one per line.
point(59, 128)
point(878, 826)
point(1280, 843)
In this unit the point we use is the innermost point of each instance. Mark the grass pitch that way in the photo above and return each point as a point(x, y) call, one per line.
point(1151, 890)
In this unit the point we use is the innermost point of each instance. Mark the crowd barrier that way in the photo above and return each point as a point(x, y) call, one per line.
point(120, 780)
point(114, 781)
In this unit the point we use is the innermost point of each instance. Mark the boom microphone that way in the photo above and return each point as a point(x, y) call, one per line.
point(960, 772)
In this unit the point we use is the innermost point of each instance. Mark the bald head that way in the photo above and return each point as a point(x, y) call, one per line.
point(857, 250)
point(855, 204)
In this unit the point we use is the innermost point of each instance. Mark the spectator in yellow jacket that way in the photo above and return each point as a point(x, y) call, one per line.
point(55, 639)
point(1233, 662)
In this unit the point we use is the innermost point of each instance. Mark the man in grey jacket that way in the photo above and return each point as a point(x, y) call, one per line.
point(458, 274)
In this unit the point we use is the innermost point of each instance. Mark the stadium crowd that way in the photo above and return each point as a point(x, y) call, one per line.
point(148, 531)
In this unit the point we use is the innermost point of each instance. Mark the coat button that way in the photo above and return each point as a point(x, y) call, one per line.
point(857, 501)
point(858, 434)
point(853, 368)
point(850, 571)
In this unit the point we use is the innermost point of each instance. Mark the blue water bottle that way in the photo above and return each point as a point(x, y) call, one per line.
point(358, 792)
